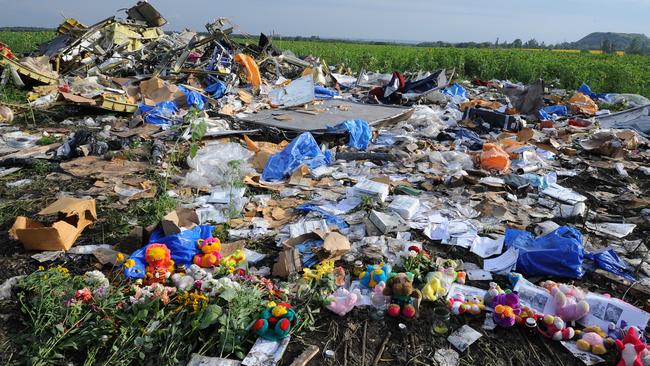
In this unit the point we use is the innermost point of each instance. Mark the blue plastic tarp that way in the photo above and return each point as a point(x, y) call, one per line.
point(586, 90)
point(455, 90)
point(559, 253)
point(546, 112)
point(331, 219)
point(182, 246)
point(163, 113)
point(302, 150)
point(194, 99)
point(358, 130)
point(216, 89)
point(469, 138)
point(609, 261)
point(322, 92)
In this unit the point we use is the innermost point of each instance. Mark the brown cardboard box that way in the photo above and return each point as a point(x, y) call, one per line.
point(177, 219)
point(334, 246)
point(74, 216)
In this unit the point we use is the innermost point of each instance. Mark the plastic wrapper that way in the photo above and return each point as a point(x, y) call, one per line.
point(182, 247)
point(322, 92)
point(194, 99)
point(546, 113)
point(358, 130)
point(163, 113)
point(302, 150)
point(211, 166)
point(609, 261)
point(329, 218)
point(559, 253)
point(217, 89)
point(494, 158)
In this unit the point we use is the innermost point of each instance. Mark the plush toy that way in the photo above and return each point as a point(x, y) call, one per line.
point(568, 301)
point(553, 327)
point(404, 298)
point(593, 339)
point(276, 321)
point(474, 305)
point(506, 308)
point(183, 282)
point(492, 293)
point(342, 301)
point(461, 277)
point(374, 274)
point(619, 332)
point(210, 256)
point(159, 263)
point(457, 304)
point(235, 259)
point(339, 276)
point(633, 350)
point(435, 287)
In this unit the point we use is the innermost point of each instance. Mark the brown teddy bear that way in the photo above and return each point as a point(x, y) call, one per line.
point(404, 298)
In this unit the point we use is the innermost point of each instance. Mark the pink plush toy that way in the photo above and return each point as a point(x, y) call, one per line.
point(568, 301)
point(633, 351)
point(342, 301)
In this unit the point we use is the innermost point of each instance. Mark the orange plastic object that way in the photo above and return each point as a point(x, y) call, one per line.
point(252, 71)
point(494, 158)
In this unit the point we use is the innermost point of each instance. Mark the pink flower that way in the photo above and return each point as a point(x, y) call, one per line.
point(84, 294)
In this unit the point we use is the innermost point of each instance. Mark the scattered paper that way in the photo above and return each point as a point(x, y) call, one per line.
point(503, 263)
point(468, 291)
point(479, 275)
point(48, 256)
point(486, 247)
point(462, 338)
point(534, 297)
point(564, 194)
point(605, 310)
point(446, 357)
point(587, 358)
point(613, 229)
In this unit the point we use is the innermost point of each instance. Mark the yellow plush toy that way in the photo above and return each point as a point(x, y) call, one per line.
point(435, 286)
point(233, 260)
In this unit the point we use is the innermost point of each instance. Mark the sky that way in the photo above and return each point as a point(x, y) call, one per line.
point(551, 21)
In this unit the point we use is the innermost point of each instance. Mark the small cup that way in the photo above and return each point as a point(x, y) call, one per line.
point(441, 320)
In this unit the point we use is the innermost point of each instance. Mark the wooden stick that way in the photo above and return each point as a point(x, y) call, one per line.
point(345, 354)
point(305, 356)
point(381, 349)
point(363, 344)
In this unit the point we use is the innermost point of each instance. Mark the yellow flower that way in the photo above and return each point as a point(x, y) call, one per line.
point(119, 257)
point(41, 268)
point(270, 304)
point(130, 263)
point(60, 269)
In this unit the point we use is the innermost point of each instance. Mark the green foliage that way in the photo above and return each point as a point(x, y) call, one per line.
point(46, 140)
point(21, 42)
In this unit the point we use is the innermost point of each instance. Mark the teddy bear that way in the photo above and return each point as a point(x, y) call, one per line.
point(159, 263)
point(633, 351)
point(569, 301)
point(506, 308)
point(491, 293)
point(457, 304)
point(404, 298)
point(553, 327)
point(276, 321)
point(210, 255)
point(374, 274)
point(593, 339)
point(342, 301)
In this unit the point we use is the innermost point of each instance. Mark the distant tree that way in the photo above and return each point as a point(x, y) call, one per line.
point(635, 47)
point(532, 43)
point(517, 43)
point(496, 43)
point(606, 46)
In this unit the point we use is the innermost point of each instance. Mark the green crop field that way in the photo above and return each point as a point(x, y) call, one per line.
point(604, 73)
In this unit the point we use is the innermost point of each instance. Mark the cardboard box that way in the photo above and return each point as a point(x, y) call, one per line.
point(177, 219)
point(405, 206)
point(74, 215)
point(371, 188)
point(335, 245)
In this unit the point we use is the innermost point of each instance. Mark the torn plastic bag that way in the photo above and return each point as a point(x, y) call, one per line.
point(217, 89)
point(426, 84)
point(182, 247)
point(302, 150)
point(558, 254)
point(194, 99)
point(586, 90)
point(324, 93)
point(546, 112)
point(163, 113)
point(455, 90)
point(608, 260)
point(331, 219)
point(358, 130)
point(526, 99)
point(211, 166)
point(469, 138)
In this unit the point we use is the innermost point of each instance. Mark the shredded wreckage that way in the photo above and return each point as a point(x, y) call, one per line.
point(484, 209)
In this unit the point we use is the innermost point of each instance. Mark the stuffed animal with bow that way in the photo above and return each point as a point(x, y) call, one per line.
point(374, 274)
point(276, 321)
point(634, 352)
point(506, 308)
point(342, 301)
point(210, 252)
point(405, 300)
point(553, 327)
point(569, 301)
point(159, 263)
point(593, 339)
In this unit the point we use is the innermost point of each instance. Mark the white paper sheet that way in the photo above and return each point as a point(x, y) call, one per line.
point(603, 311)
point(503, 263)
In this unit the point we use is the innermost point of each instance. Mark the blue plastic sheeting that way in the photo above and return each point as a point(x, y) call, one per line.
point(455, 91)
point(194, 99)
point(610, 262)
point(546, 112)
point(306, 253)
point(470, 138)
point(358, 130)
point(216, 89)
point(559, 253)
point(163, 113)
point(322, 92)
point(331, 219)
point(586, 90)
point(182, 247)
point(302, 150)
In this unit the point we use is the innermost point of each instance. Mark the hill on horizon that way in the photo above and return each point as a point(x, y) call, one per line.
point(620, 41)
